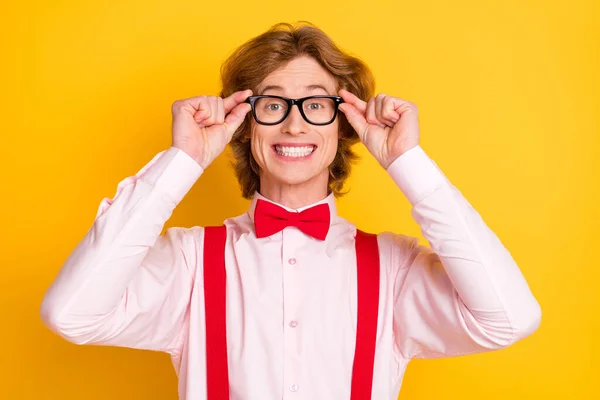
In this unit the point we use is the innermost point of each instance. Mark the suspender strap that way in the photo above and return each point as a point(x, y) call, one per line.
point(217, 374)
point(367, 263)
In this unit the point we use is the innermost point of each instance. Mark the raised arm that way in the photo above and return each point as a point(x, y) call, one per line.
point(125, 284)
point(463, 294)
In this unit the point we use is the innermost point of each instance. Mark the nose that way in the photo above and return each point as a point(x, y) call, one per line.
point(294, 124)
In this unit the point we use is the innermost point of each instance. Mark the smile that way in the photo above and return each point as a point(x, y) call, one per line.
point(294, 151)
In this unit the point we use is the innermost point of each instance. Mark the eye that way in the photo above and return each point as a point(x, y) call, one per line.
point(273, 107)
point(314, 106)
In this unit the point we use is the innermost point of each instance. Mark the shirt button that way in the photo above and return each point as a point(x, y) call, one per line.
point(292, 261)
point(293, 387)
point(293, 324)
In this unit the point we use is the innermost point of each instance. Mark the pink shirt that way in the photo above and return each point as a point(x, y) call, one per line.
point(291, 299)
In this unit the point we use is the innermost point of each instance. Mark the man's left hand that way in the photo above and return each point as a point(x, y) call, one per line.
point(388, 126)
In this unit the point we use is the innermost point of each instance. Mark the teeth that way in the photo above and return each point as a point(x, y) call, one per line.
point(294, 151)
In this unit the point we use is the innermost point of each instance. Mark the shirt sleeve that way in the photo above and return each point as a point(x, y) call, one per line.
point(464, 294)
point(125, 284)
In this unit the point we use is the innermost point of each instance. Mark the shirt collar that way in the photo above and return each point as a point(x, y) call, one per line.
point(330, 199)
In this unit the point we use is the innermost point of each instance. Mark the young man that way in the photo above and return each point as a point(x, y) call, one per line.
point(290, 300)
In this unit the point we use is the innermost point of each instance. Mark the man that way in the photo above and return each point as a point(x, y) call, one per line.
point(290, 300)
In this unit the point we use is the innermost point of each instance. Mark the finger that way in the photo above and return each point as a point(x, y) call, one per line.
point(355, 118)
point(210, 120)
point(235, 118)
point(220, 113)
point(236, 98)
point(390, 107)
point(370, 116)
point(192, 104)
point(379, 105)
point(379, 100)
point(202, 114)
point(199, 103)
point(350, 98)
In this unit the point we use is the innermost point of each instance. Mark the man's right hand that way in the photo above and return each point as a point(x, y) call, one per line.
point(204, 125)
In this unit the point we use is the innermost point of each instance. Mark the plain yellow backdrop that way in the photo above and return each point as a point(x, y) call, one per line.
point(509, 98)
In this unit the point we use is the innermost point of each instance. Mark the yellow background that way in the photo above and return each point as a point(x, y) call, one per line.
point(508, 93)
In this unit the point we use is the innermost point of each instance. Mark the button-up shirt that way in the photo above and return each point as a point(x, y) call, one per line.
point(291, 299)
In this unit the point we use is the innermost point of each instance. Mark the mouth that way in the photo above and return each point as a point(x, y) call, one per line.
point(294, 151)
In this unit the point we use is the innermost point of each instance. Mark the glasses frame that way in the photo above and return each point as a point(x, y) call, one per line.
point(337, 100)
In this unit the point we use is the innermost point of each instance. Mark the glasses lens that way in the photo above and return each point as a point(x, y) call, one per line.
point(319, 110)
point(269, 110)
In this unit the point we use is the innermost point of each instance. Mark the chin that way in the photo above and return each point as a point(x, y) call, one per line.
point(294, 179)
point(298, 176)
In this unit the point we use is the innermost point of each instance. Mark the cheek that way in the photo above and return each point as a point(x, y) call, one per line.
point(259, 136)
point(254, 139)
point(331, 144)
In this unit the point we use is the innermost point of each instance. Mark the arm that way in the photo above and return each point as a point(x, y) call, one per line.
point(463, 295)
point(125, 284)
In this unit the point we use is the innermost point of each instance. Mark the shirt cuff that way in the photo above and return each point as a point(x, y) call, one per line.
point(416, 174)
point(172, 171)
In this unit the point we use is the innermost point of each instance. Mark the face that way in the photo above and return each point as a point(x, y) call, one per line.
point(295, 152)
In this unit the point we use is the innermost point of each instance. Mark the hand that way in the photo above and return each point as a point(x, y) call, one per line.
point(204, 125)
point(388, 126)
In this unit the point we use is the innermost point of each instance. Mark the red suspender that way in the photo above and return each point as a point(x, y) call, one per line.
point(217, 374)
point(367, 264)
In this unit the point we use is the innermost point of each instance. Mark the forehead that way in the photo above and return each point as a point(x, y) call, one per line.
point(301, 75)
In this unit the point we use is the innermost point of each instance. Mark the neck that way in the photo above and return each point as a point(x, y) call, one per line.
point(295, 195)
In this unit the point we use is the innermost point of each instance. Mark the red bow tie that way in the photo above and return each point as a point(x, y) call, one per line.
point(270, 218)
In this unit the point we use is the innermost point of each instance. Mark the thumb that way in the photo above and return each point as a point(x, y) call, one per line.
point(236, 98)
point(356, 119)
point(235, 118)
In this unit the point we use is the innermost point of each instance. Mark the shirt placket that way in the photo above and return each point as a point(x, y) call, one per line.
point(291, 267)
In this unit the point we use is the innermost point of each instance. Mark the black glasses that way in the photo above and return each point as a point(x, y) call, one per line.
point(316, 110)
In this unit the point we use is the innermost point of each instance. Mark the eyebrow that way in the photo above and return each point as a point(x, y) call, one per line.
point(308, 88)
